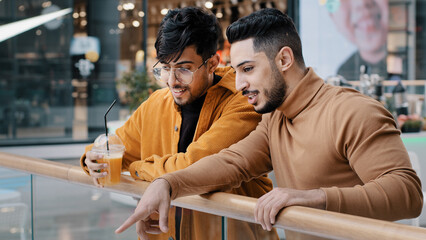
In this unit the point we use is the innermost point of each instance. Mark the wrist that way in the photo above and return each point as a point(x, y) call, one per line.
point(163, 184)
point(320, 199)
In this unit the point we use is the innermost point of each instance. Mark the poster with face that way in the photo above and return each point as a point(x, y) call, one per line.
point(338, 36)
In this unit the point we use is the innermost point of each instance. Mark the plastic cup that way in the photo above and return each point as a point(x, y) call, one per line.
point(112, 156)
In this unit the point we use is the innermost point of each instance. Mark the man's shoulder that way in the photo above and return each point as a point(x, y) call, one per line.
point(347, 104)
point(159, 95)
point(227, 81)
point(162, 92)
point(343, 96)
point(159, 99)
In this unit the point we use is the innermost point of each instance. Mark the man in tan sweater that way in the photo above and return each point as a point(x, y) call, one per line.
point(331, 148)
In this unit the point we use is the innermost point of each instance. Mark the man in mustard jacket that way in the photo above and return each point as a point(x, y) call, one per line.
point(199, 114)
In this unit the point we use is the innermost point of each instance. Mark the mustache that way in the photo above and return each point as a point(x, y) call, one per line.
point(246, 92)
point(177, 86)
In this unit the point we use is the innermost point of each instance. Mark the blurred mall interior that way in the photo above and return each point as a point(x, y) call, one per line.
point(58, 77)
point(61, 70)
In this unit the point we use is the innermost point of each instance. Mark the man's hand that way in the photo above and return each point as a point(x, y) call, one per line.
point(268, 206)
point(156, 199)
point(95, 169)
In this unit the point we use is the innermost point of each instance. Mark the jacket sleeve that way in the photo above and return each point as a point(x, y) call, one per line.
point(366, 135)
point(83, 158)
point(243, 161)
point(130, 135)
point(236, 121)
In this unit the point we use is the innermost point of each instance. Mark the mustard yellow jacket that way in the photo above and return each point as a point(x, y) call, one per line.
point(151, 137)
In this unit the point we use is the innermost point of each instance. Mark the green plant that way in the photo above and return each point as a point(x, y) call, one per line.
point(412, 126)
point(137, 86)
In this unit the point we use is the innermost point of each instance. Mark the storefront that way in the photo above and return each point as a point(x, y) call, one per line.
point(58, 77)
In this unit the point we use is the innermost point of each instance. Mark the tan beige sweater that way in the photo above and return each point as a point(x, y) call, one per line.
point(325, 137)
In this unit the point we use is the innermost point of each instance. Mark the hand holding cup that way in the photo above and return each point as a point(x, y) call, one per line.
point(104, 160)
point(96, 170)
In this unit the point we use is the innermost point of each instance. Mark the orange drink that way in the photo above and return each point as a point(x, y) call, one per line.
point(114, 168)
point(112, 149)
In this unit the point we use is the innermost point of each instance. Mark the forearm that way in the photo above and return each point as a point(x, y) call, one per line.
point(396, 195)
point(222, 171)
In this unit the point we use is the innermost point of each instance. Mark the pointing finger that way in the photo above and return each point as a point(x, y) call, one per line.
point(128, 223)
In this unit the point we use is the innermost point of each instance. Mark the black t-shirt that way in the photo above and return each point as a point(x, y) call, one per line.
point(190, 114)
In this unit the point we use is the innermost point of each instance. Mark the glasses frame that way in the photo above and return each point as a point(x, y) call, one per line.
point(174, 72)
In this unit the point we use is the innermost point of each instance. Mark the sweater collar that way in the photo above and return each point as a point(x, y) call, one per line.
point(302, 94)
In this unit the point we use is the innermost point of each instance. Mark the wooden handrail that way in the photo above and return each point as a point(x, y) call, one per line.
point(393, 83)
point(301, 219)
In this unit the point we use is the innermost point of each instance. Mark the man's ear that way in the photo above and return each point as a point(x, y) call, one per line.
point(285, 58)
point(213, 63)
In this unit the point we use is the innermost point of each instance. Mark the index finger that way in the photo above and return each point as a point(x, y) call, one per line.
point(128, 223)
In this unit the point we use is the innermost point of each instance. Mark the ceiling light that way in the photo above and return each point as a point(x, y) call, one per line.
point(208, 4)
point(10, 30)
point(121, 26)
point(46, 4)
point(136, 23)
point(164, 11)
point(128, 6)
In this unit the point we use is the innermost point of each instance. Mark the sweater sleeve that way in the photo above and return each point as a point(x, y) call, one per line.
point(366, 135)
point(236, 121)
point(243, 161)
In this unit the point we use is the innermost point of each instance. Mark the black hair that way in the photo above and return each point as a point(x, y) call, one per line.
point(184, 27)
point(271, 30)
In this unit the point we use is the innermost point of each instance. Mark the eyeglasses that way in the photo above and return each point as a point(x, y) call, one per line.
point(183, 75)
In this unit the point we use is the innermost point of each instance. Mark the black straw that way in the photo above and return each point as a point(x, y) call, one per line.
point(105, 118)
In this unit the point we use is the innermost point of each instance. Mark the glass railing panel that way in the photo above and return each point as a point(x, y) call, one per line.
point(70, 211)
point(281, 233)
point(237, 229)
point(15, 205)
point(65, 210)
point(78, 210)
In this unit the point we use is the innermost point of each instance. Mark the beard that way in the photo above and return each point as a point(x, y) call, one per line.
point(275, 93)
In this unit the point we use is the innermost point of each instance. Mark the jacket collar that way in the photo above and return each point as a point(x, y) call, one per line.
point(228, 79)
point(302, 94)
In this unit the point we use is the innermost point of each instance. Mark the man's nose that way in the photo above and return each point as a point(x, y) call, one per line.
point(240, 84)
point(172, 80)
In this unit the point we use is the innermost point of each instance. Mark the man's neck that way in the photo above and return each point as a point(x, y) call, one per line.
point(197, 104)
point(293, 77)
